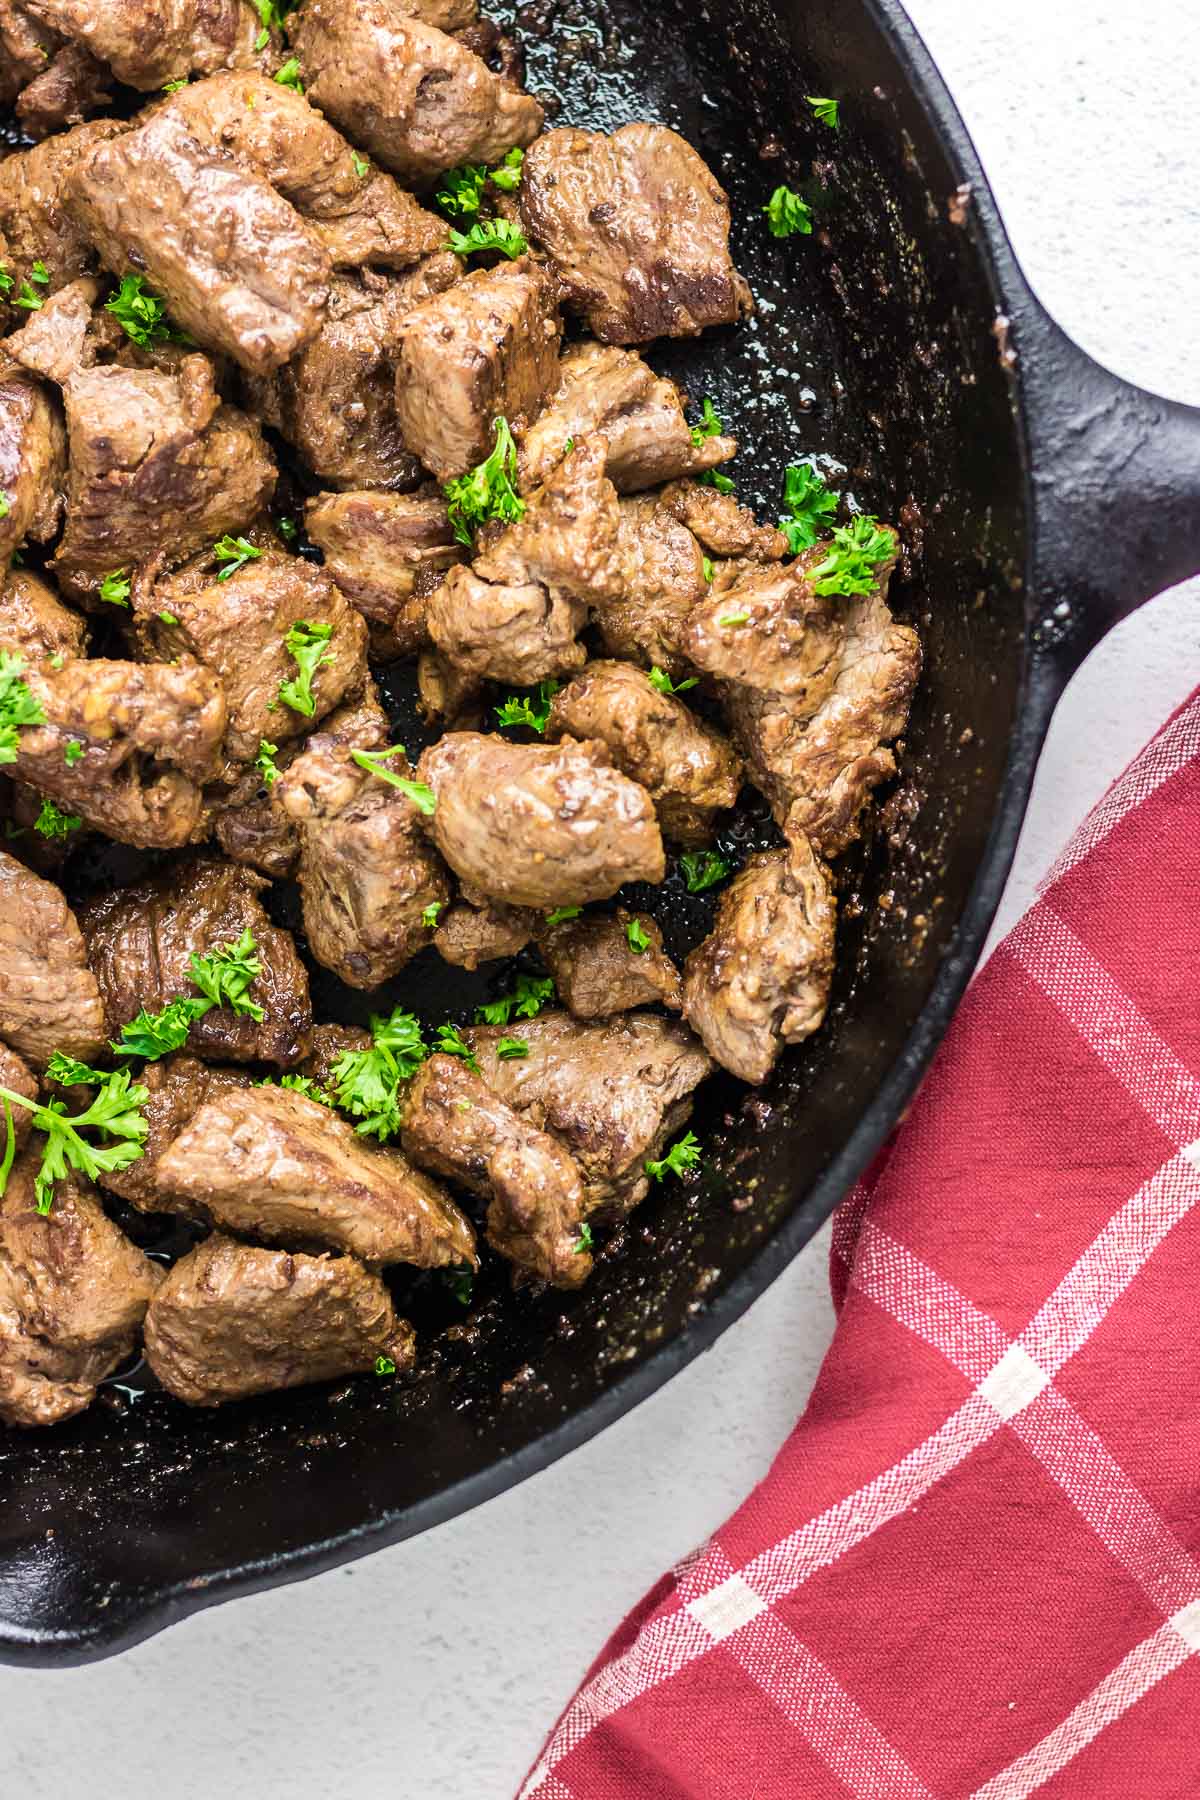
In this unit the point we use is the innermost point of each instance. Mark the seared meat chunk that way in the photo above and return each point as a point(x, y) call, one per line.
point(448, 693)
point(637, 228)
point(17, 1075)
point(420, 101)
point(663, 570)
point(360, 218)
point(53, 342)
point(33, 621)
point(514, 614)
point(232, 1320)
point(147, 43)
point(140, 941)
point(769, 630)
point(239, 627)
point(487, 346)
point(597, 970)
point(26, 46)
point(367, 874)
point(336, 399)
point(177, 1088)
point(73, 1292)
point(240, 270)
point(540, 825)
point(688, 768)
point(458, 1127)
point(49, 999)
point(34, 214)
point(613, 392)
point(760, 979)
point(145, 736)
point(270, 1163)
point(70, 88)
point(157, 464)
point(33, 454)
point(722, 525)
point(818, 757)
point(386, 553)
point(477, 930)
point(615, 1094)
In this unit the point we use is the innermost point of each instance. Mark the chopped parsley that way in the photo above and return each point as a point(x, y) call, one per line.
point(856, 553)
point(461, 1283)
point(702, 869)
point(508, 1049)
point(385, 1365)
point(662, 681)
point(533, 713)
point(706, 569)
point(487, 491)
point(709, 426)
point(507, 175)
point(40, 273)
point(489, 234)
point(222, 978)
point(451, 1042)
point(55, 824)
point(57, 660)
point(366, 1083)
point(301, 1084)
point(734, 618)
point(264, 762)
point(787, 214)
point(115, 587)
point(680, 1157)
point(526, 1001)
point(271, 15)
point(430, 916)
point(362, 167)
point(142, 316)
point(73, 753)
point(173, 87)
point(584, 1242)
point(5, 504)
point(115, 1112)
point(825, 109)
point(713, 478)
point(308, 644)
point(17, 705)
point(168, 618)
point(808, 505)
point(422, 797)
point(563, 912)
point(638, 937)
point(287, 530)
point(289, 75)
point(6, 280)
point(28, 300)
point(234, 553)
point(462, 190)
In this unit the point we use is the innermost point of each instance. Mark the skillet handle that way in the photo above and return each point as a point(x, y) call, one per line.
point(1116, 486)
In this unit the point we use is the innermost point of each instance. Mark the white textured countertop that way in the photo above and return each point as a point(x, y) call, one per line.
point(431, 1671)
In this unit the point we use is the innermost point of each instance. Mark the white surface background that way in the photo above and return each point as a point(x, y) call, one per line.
point(431, 1671)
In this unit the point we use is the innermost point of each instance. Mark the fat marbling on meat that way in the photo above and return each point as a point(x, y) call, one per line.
point(232, 1320)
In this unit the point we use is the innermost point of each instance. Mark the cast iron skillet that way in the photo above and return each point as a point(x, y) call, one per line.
point(1042, 500)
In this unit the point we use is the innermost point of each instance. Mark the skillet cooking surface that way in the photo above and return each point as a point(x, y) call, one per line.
point(872, 349)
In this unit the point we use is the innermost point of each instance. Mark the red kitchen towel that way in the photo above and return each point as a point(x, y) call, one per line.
point(974, 1568)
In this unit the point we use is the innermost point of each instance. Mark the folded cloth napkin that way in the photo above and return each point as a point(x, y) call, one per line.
point(974, 1568)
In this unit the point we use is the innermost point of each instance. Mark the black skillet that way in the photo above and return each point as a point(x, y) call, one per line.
point(1042, 499)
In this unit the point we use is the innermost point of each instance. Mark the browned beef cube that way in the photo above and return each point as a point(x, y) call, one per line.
point(157, 464)
point(49, 999)
point(232, 1320)
point(477, 930)
point(26, 46)
point(606, 963)
point(33, 454)
point(177, 1088)
point(663, 569)
point(420, 101)
point(386, 552)
point(34, 214)
point(239, 269)
point(637, 228)
point(54, 340)
point(148, 43)
point(69, 89)
point(73, 1292)
point(486, 347)
point(140, 941)
point(33, 621)
point(18, 1076)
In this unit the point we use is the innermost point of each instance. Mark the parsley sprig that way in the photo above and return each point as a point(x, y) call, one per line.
point(366, 1083)
point(533, 713)
point(114, 1113)
point(680, 1157)
point(141, 315)
point(451, 1042)
point(702, 869)
point(422, 797)
point(637, 937)
point(55, 824)
point(222, 978)
point(17, 705)
point(488, 491)
point(526, 1001)
point(662, 681)
point(709, 426)
point(563, 912)
point(26, 297)
point(234, 553)
point(808, 506)
point(788, 214)
point(489, 234)
point(826, 110)
point(271, 15)
point(289, 75)
point(264, 762)
point(854, 558)
point(115, 587)
point(309, 645)
point(461, 193)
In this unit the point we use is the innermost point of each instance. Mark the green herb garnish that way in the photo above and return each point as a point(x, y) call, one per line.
point(309, 645)
point(809, 505)
point(533, 713)
point(584, 1242)
point(114, 1113)
point(384, 1365)
point(713, 478)
point(17, 705)
point(509, 1049)
point(526, 1001)
point(787, 214)
point(487, 491)
point(702, 869)
point(422, 797)
point(115, 587)
point(507, 175)
point(223, 978)
point(366, 1082)
point(857, 551)
point(142, 316)
point(662, 681)
point(461, 190)
point(680, 1157)
point(55, 824)
point(264, 762)
point(709, 426)
point(563, 912)
point(489, 234)
point(734, 618)
point(289, 75)
point(173, 87)
point(451, 1042)
point(826, 110)
point(432, 912)
point(638, 937)
point(234, 554)
point(362, 167)
point(461, 1283)
point(72, 753)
